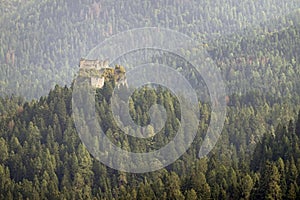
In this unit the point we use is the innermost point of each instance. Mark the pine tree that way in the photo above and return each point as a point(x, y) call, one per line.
point(271, 182)
point(246, 186)
point(191, 195)
point(172, 186)
point(292, 193)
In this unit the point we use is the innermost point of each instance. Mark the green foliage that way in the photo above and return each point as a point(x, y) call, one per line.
point(42, 41)
point(41, 155)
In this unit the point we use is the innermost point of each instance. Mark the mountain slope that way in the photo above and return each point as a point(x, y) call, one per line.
point(43, 41)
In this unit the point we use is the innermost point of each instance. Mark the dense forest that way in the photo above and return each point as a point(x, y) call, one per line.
point(43, 41)
point(42, 156)
point(255, 44)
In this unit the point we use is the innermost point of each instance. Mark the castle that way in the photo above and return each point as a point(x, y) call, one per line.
point(93, 64)
point(97, 71)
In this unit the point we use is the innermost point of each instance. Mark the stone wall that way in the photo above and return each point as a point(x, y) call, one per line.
point(97, 82)
point(92, 64)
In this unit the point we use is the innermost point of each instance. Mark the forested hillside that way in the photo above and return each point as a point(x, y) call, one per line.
point(43, 157)
point(255, 44)
point(43, 41)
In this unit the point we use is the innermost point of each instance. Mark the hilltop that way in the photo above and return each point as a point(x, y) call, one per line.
point(97, 72)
